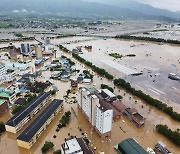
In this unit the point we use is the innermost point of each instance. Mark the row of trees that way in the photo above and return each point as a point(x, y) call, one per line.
point(174, 136)
point(64, 48)
point(96, 69)
point(148, 99)
point(104, 86)
point(64, 120)
point(129, 37)
point(17, 39)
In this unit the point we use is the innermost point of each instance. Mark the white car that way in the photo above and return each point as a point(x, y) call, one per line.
point(150, 151)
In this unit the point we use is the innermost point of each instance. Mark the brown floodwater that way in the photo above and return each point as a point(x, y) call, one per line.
point(146, 136)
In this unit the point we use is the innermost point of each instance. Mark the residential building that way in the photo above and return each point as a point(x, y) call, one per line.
point(17, 66)
point(31, 134)
point(3, 106)
point(6, 75)
point(104, 119)
point(9, 96)
point(99, 117)
point(119, 106)
point(134, 116)
point(75, 145)
point(130, 146)
point(16, 122)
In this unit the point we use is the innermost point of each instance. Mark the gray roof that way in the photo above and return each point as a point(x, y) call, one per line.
point(34, 127)
point(18, 117)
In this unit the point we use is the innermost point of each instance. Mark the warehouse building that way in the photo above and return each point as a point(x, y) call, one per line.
point(30, 135)
point(15, 123)
point(130, 146)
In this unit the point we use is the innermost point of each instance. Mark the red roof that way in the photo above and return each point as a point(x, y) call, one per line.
point(119, 106)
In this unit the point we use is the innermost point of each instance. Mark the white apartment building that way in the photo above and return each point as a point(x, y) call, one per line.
point(104, 120)
point(6, 75)
point(99, 118)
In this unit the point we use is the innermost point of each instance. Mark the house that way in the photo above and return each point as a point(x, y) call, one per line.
point(75, 145)
point(134, 116)
point(119, 106)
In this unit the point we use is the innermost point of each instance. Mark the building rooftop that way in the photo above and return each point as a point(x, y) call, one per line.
point(74, 145)
point(20, 101)
point(109, 93)
point(107, 106)
point(18, 117)
point(4, 94)
point(34, 127)
point(130, 146)
point(138, 116)
point(2, 101)
point(119, 105)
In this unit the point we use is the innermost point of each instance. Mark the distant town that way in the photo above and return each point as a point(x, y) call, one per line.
point(89, 86)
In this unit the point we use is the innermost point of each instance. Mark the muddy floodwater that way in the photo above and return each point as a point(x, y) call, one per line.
point(153, 60)
point(146, 136)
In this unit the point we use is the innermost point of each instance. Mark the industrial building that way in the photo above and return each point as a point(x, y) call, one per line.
point(75, 145)
point(30, 135)
point(15, 123)
point(99, 117)
point(130, 146)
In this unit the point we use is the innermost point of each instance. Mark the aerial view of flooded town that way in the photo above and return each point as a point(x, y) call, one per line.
point(89, 85)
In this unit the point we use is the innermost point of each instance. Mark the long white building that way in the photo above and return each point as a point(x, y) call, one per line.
point(100, 118)
point(5, 74)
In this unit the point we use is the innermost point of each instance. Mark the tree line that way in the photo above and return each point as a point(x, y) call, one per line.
point(129, 37)
point(174, 136)
point(148, 99)
point(96, 69)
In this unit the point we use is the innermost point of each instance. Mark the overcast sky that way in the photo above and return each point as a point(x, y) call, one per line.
point(173, 5)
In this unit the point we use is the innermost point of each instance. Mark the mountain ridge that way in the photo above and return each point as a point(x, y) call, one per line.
point(74, 8)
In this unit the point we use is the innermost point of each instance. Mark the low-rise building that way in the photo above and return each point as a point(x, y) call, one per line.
point(9, 96)
point(30, 135)
point(134, 116)
point(130, 146)
point(16, 122)
point(75, 145)
point(119, 106)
